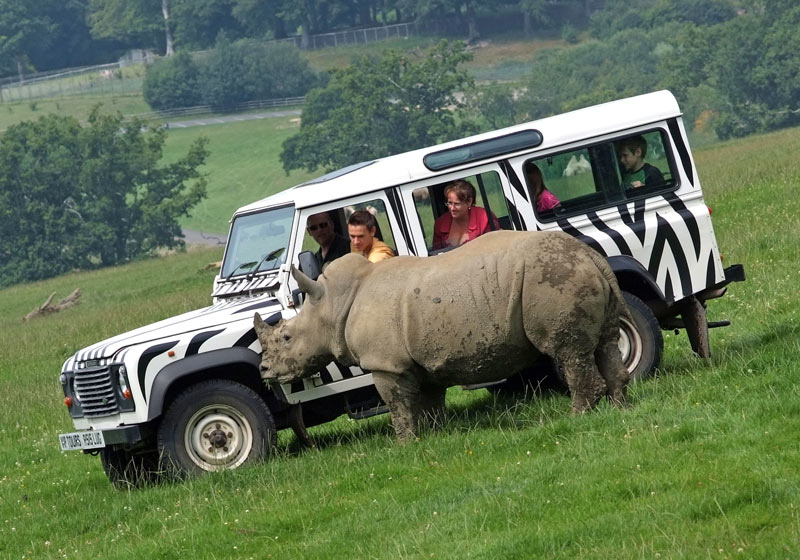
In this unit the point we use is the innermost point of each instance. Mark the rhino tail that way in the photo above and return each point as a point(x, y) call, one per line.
point(617, 300)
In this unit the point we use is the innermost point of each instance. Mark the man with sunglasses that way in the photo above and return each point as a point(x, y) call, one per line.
point(331, 244)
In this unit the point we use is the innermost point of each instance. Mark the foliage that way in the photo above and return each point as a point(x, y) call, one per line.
point(496, 104)
point(172, 82)
point(383, 106)
point(233, 72)
point(139, 22)
point(752, 64)
point(25, 27)
point(594, 72)
point(75, 196)
point(623, 15)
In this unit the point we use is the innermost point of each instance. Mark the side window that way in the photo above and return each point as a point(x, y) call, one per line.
point(476, 204)
point(603, 174)
point(326, 233)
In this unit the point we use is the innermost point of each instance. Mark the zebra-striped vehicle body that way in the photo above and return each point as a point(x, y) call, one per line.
point(156, 390)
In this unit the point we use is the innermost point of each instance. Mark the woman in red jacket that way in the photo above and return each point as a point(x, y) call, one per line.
point(464, 222)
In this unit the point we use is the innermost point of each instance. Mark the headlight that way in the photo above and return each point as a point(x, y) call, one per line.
point(122, 382)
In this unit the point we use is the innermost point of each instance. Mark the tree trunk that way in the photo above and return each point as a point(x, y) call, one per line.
point(364, 14)
point(472, 24)
point(20, 67)
point(48, 307)
point(165, 10)
point(526, 24)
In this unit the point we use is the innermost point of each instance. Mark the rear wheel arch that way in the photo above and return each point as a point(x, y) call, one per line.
point(635, 279)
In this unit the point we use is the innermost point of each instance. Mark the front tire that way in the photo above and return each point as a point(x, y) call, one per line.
point(640, 340)
point(215, 425)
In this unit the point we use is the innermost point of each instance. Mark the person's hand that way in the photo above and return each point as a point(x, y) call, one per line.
point(637, 184)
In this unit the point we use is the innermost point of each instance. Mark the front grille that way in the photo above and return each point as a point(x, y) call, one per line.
point(95, 392)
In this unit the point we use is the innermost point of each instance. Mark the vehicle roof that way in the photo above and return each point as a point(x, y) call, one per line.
point(402, 168)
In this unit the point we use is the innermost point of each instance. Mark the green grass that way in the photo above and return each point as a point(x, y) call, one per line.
point(243, 167)
point(79, 107)
point(705, 463)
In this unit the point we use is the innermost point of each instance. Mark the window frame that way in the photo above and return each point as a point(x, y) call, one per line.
point(414, 220)
point(612, 192)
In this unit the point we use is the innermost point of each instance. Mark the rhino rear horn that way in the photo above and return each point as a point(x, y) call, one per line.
point(313, 289)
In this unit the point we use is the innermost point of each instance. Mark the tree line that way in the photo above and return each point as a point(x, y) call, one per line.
point(51, 34)
point(734, 71)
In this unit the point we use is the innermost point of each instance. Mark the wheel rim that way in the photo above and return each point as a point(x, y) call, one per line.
point(218, 437)
point(630, 345)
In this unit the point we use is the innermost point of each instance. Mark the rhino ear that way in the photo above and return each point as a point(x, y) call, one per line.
point(262, 328)
point(315, 290)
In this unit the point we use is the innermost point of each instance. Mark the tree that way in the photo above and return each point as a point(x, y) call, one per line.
point(197, 23)
point(75, 196)
point(747, 68)
point(383, 106)
point(261, 18)
point(172, 82)
point(139, 21)
point(24, 27)
point(496, 104)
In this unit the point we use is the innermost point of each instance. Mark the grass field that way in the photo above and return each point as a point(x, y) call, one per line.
point(705, 464)
point(243, 167)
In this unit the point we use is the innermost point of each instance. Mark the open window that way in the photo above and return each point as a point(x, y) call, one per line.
point(431, 204)
point(602, 174)
point(331, 226)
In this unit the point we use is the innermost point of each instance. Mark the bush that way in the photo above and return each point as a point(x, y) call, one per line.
point(172, 82)
point(569, 34)
point(234, 72)
point(248, 70)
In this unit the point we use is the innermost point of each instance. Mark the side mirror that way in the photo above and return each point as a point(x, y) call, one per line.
point(309, 264)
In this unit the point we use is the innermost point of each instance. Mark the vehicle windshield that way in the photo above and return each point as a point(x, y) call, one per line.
point(258, 242)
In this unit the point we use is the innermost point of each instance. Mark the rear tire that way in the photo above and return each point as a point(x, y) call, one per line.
point(640, 343)
point(215, 425)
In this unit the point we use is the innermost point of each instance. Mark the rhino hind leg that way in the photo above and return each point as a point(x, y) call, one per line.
point(585, 383)
point(409, 403)
point(612, 369)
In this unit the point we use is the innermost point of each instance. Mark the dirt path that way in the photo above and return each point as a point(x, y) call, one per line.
point(195, 237)
point(232, 118)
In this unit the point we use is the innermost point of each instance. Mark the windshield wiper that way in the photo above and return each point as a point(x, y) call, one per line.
point(255, 265)
point(248, 264)
point(274, 254)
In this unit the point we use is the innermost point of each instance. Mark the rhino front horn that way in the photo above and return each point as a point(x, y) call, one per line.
point(313, 289)
point(261, 326)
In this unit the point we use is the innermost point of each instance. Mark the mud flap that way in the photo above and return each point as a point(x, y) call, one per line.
point(693, 313)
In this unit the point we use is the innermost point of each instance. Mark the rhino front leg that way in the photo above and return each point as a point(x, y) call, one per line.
point(400, 395)
point(410, 403)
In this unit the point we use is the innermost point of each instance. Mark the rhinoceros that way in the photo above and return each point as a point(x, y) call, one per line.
point(476, 314)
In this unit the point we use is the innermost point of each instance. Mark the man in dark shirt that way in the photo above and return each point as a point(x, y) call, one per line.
point(331, 244)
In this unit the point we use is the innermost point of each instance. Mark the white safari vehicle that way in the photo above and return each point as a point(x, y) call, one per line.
point(187, 392)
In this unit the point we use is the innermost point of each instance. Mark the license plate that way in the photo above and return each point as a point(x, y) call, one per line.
point(81, 440)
